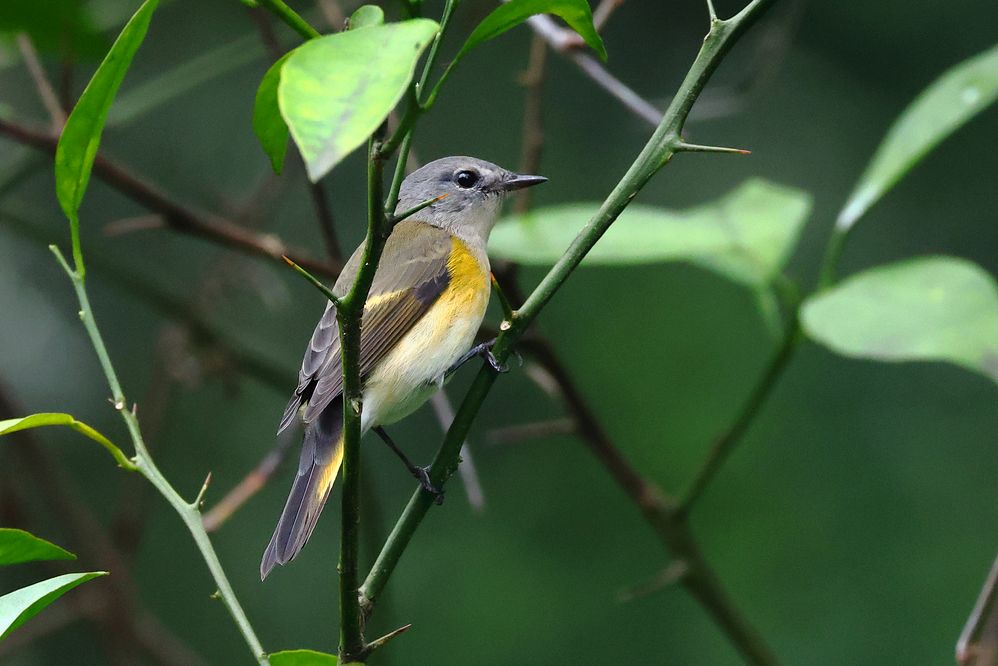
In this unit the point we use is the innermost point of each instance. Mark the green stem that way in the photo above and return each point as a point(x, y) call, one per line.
point(833, 253)
point(415, 107)
point(656, 153)
point(349, 314)
point(291, 17)
point(725, 444)
point(143, 461)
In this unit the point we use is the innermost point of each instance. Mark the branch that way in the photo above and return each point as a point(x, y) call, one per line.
point(290, 17)
point(177, 216)
point(656, 153)
point(50, 100)
point(978, 643)
point(726, 443)
point(188, 512)
point(567, 43)
point(533, 119)
point(603, 12)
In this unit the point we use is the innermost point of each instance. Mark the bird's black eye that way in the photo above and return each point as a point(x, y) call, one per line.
point(466, 179)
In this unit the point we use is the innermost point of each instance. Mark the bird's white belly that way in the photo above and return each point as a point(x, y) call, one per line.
point(414, 370)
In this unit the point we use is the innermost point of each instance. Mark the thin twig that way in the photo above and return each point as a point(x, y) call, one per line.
point(177, 216)
point(324, 214)
point(536, 430)
point(189, 513)
point(533, 118)
point(978, 643)
point(444, 411)
point(603, 11)
point(725, 444)
point(50, 100)
point(566, 42)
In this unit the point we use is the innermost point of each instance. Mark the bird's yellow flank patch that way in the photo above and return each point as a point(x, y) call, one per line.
point(467, 276)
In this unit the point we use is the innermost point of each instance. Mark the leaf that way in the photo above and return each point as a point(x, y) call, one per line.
point(18, 547)
point(74, 156)
point(19, 606)
point(365, 16)
point(576, 14)
point(302, 658)
point(335, 90)
point(949, 102)
point(930, 308)
point(268, 125)
point(54, 418)
point(746, 236)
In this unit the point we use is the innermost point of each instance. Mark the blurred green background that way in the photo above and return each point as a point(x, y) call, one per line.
point(855, 523)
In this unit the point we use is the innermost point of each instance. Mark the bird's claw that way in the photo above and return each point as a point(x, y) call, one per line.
point(423, 474)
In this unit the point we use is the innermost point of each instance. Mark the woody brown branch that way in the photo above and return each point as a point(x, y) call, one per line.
point(177, 216)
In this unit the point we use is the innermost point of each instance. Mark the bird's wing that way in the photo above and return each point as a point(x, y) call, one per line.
point(412, 274)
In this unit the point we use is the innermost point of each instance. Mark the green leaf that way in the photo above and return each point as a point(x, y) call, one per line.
point(365, 16)
point(746, 236)
point(50, 419)
point(953, 99)
point(18, 546)
point(335, 90)
point(19, 606)
point(74, 156)
point(302, 658)
point(268, 125)
point(576, 14)
point(930, 308)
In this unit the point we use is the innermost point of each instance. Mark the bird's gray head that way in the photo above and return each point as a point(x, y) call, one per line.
point(474, 191)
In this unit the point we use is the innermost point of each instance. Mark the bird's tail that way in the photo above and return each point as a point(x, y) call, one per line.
point(321, 455)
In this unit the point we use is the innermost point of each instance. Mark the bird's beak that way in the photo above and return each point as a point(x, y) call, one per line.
point(518, 182)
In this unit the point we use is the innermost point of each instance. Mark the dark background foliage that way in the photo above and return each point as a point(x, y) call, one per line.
point(854, 525)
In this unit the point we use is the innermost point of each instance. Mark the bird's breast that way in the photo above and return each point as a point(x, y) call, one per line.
point(415, 368)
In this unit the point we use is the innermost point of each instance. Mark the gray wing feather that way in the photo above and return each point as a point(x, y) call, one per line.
point(417, 254)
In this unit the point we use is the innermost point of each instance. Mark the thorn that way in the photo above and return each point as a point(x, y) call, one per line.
point(135, 409)
point(379, 642)
point(683, 147)
point(199, 500)
point(670, 575)
point(216, 595)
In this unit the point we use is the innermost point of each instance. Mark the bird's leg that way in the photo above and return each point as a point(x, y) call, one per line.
point(421, 473)
point(483, 349)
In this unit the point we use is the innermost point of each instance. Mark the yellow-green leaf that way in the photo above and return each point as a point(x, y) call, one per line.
point(21, 605)
point(54, 418)
point(576, 13)
point(268, 125)
point(953, 99)
point(18, 546)
point(746, 235)
point(74, 156)
point(930, 308)
point(302, 658)
point(335, 90)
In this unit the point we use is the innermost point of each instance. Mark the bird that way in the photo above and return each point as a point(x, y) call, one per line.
point(422, 314)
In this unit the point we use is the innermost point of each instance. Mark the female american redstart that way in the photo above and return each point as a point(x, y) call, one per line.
point(425, 306)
